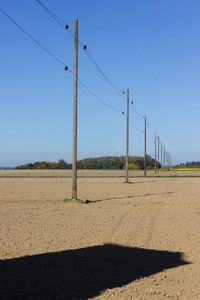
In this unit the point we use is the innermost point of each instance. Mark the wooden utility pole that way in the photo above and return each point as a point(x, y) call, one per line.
point(161, 156)
point(74, 166)
point(155, 152)
point(158, 151)
point(127, 134)
point(164, 158)
point(167, 161)
point(145, 146)
point(170, 162)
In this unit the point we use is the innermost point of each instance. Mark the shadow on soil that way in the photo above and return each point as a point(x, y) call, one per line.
point(81, 273)
point(124, 197)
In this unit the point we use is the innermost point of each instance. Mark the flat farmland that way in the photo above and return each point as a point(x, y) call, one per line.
point(93, 173)
point(128, 241)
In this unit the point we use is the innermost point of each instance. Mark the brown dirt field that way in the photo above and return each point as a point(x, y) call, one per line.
point(93, 173)
point(131, 241)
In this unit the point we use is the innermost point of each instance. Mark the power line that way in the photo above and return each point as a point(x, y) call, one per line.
point(97, 96)
point(58, 61)
point(56, 18)
point(150, 131)
point(49, 11)
point(33, 38)
point(135, 127)
point(149, 141)
point(59, 20)
point(134, 109)
point(66, 68)
point(111, 84)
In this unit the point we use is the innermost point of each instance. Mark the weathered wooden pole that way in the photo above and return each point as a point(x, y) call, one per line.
point(155, 152)
point(164, 158)
point(145, 146)
point(158, 151)
point(127, 134)
point(74, 165)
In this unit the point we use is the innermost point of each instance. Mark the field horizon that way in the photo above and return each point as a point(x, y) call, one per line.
point(95, 173)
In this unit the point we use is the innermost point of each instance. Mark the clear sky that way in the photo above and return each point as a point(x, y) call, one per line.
point(151, 47)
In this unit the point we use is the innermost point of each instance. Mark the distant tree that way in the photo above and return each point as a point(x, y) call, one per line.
point(53, 165)
point(35, 165)
point(29, 166)
point(134, 167)
point(105, 162)
point(80, 165)
point(43, 165)
point(182, 166)
point(176, 166)
point(62, 164)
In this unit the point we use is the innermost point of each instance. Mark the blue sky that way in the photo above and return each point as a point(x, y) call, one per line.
point(151, 47)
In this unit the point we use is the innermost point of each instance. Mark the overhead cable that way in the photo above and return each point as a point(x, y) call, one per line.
point(66, 68)
point(32, 38)
point(59, 20)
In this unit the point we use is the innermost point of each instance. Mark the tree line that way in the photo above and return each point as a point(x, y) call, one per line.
point(98, 163)
point(193, 164)
point(61, 164)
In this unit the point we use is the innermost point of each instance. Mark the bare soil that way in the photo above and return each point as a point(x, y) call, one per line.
point(93, 173)
point(130, 241)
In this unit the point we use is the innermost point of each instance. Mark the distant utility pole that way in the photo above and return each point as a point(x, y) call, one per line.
point(145, 146)
point(161, 156)
point(127, 134)
point(158, 151)
point(155, 152)
point(164, 157)
point(167, 160)
point(74, 167)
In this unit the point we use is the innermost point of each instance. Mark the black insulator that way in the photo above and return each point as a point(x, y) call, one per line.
point(132, 102)
point(67, 26)
point(66, 68)
point(85, 47)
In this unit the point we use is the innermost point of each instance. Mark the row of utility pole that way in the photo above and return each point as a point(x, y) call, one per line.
point(167, 158)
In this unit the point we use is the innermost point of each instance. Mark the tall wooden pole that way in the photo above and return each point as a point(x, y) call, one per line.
point(161, 156)
point(158, 151)
point(74, 165)
point(155, 152)
point(145, 146)
point(127, 134)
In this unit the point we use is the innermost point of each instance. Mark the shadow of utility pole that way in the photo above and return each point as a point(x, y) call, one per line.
point(81, 273)
point(126, 197)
